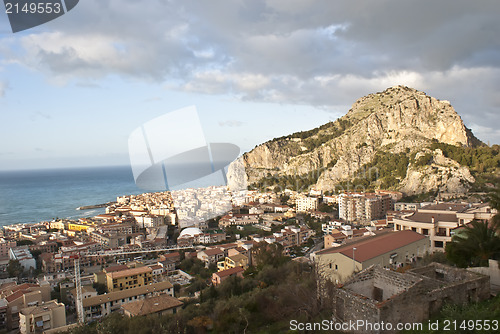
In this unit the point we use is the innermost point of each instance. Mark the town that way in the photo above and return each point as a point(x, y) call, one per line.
point(151, 253)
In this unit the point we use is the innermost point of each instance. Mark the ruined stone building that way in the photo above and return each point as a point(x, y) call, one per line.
point(377, 294)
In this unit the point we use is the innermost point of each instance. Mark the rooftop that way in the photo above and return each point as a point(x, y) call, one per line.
point(229, 272)
point(113, 296)
point(424, 217)
point(368, 248)
point(129, 272)
point(152, 305)
point(41, 308)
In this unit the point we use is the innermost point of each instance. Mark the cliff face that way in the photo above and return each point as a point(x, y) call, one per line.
point(397, 120)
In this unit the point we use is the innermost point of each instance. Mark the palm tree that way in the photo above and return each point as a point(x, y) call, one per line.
point(474, 245)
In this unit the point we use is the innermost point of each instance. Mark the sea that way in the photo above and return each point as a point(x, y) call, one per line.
point(30, 196)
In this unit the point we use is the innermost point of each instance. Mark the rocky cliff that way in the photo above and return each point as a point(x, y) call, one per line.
point(399, 121)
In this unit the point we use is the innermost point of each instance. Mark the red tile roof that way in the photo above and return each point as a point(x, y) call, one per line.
point(229, 272)
point(369, 248)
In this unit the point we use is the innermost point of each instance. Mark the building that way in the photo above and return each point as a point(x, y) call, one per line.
point(129, 278)
point(390, 250)
point(438, 221)
point(209, 256)
point(23, 255)
point(36, 319)
point(17, 297)
point(401, 206)
point(377, 295)
point(238, 219)
point(110, 240)
point(160, 305)
point(87, 292)
point(363, 207)
point(5, 246)
point(237, 260)
point(220, 276)
point(305, 204)
point(102, 305)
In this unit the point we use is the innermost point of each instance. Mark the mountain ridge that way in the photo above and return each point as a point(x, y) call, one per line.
point(398, 121)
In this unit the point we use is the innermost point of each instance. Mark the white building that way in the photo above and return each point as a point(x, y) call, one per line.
point(23, 255)
point(305, 204)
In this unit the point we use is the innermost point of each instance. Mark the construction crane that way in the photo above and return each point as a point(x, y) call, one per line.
point(78, 285)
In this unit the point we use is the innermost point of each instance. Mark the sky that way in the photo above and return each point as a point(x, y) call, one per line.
point(74, 89)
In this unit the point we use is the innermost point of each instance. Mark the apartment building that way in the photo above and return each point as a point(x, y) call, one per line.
point(129, 278)
point(305, 204)
point(39, 318)
point(16, 297)
point(102, 305)
point(5, 246)
point(363, 207)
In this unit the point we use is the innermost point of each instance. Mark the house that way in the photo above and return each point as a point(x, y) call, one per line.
point(210, 255)
point(160, 305)
point(390, 249)
point(102, 305)
point(220, 276)
point(237, 260)
point(377, 295)
point(36, 319)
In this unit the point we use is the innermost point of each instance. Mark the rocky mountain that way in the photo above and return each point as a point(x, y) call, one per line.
point(392, 139)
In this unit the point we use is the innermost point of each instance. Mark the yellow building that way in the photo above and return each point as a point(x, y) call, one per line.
point(238, 260)
point(77, 227)
point(129, 278)
point(389, 250)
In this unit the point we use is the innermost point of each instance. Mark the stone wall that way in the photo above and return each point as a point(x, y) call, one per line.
point(377, 294)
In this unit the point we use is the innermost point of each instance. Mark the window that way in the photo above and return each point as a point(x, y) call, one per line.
point(336, 267)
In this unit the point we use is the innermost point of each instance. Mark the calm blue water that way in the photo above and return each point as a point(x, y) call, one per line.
point(39, 195)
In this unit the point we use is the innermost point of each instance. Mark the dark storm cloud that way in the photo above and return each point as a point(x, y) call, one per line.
point(313, 52)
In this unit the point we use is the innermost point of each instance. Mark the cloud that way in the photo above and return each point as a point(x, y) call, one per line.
point(325, 54)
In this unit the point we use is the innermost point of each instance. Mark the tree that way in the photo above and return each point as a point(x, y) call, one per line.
point(473, 246)
point(14, 268)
